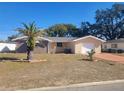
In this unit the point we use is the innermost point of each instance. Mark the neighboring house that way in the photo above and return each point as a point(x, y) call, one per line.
point(60, 44)
point(114, 44)
point(7, 47)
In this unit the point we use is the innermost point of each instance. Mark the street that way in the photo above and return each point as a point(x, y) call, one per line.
point(105, 87)
point(115, 85)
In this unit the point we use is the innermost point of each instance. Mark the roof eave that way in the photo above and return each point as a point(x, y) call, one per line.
point(19, 38)
point(91, 37)
point(46, 39)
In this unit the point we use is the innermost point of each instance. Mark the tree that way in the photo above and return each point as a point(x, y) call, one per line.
point(85, 29)
point(60, 30)
point(71, 30)
point(31, 31)
point(57, 30)
point(12, 37)
point(110, 22)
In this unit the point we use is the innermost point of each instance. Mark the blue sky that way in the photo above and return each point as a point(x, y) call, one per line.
point(45, 14)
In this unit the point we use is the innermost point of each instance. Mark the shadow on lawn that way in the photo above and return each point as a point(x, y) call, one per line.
point(107, 62)
point(4, 59)
point(8, 58)
point(86, 59)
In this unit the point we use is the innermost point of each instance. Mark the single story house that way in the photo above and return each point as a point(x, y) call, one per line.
point(7, 47)
point(60, 44)
point(117, 44)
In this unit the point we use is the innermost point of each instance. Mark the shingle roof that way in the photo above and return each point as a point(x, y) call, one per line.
point(68, 39)
point(116, 41)
point(61, 39)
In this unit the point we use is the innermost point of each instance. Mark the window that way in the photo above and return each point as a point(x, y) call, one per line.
point(59, 44)
point(114, 45)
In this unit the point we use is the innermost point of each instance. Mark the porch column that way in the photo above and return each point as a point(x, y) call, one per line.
point(49, 47)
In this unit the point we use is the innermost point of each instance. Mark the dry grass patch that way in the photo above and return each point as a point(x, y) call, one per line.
point(59, 69)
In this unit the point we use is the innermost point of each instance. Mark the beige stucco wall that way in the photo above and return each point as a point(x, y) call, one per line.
point(66, 45)
point(79, 44)
point(51, 47)
point(61, 49)
point(120, 45)
point(71, 46)
point(54, 49)
point(76, 46)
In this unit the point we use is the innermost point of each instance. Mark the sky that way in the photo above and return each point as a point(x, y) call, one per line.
point(12, 15)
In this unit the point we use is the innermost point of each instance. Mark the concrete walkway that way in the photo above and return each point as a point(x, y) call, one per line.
point(110, 57)
point(115, 85)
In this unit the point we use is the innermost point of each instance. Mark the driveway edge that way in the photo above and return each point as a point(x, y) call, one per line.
point(77, 85)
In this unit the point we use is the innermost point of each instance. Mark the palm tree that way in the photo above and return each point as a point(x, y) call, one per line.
point(31, 31)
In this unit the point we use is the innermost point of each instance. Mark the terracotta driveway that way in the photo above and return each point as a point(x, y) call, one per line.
point(111, 57)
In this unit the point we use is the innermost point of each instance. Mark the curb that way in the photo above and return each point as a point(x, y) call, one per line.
point(77, 85)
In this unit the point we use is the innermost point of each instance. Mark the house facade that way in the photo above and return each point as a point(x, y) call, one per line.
point(62, 44)
point(117, 44)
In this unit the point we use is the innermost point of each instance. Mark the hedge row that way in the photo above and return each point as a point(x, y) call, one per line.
point(113, 50)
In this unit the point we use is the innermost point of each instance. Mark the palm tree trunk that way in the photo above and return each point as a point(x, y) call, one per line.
point(29, 55)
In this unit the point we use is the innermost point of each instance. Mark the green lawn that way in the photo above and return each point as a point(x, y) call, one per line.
point(59, 69)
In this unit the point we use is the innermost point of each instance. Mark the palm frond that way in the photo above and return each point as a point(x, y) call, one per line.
point(29, 30)
point(25, 26)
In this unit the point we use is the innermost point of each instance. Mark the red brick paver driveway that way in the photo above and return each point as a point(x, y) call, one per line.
point(111, 57)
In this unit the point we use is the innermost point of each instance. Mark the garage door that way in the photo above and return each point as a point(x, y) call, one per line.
point(87, 47)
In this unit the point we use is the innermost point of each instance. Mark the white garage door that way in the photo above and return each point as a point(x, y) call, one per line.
point(87, 47)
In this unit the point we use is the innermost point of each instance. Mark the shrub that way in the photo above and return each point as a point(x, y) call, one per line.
point(113, 50)
point(104, 50)
point(109, 50)
point(67, 50)
point(120, 51)
point(90, 54)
